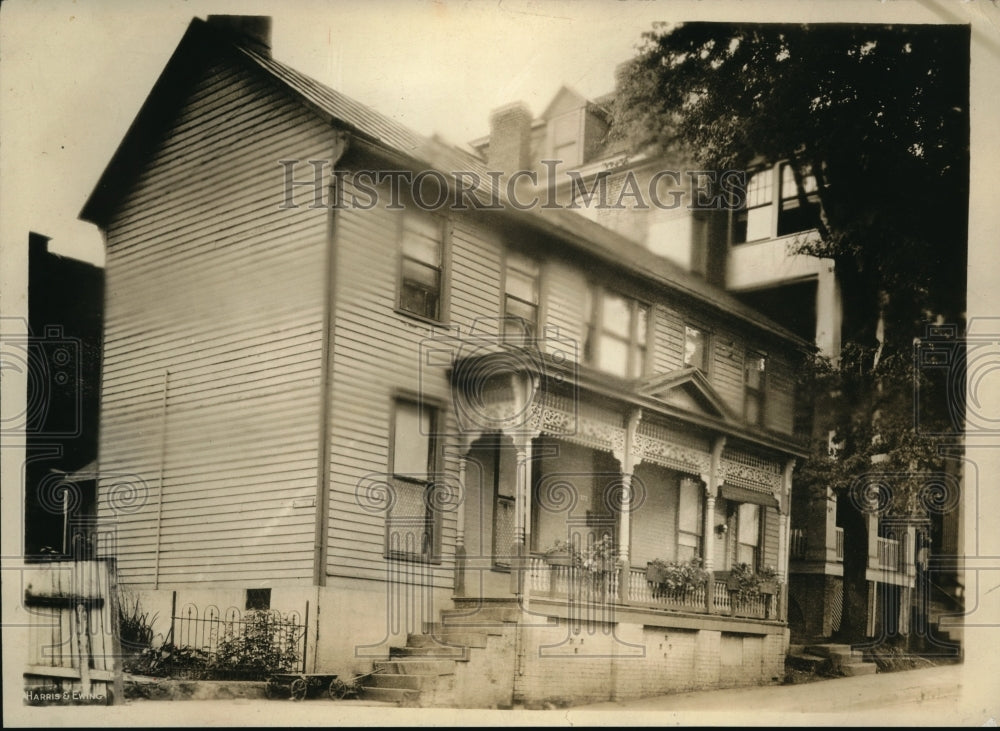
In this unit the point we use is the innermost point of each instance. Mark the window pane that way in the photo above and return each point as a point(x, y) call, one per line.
point(694, 348)
point(411, 440)
point(759, 188)
point(407, 527)
point(518, 309)
point(421, 274)
point(617, 315)
point(422, 248)
point(759, 223)
point(749, 523)
point(755, 371)
point(788, 187)
point(642, 327)
point(522, 286)
point(689, 518)
point(613, 356)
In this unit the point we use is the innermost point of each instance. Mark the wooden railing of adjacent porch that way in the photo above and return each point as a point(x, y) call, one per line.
point(629, 587)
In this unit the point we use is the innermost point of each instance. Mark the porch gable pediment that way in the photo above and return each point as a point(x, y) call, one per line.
point(687, 389)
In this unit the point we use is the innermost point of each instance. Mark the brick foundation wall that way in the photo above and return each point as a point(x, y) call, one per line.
point(565, 661)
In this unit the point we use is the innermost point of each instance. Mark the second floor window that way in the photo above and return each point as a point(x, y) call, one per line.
point(754, 370)
point(753, 222)
point(521, 296)
point(696, 348)
point(794, 216)
point(411, 526)
point(421, 264)
point(617, 334)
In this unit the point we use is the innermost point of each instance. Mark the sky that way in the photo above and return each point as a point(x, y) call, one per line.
point(75, 72)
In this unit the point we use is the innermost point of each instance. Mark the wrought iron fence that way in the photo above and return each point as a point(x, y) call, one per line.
point(247, 645)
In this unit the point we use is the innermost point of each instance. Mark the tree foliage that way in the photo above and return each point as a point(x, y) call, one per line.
point(879, 114)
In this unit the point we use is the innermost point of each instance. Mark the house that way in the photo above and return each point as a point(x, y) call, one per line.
point(457, 441)
point(62, 357)
point(747, 249)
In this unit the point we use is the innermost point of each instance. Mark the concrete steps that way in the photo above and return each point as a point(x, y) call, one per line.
point(842, 659)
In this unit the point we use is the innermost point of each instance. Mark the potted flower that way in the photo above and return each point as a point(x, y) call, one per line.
point(747, 584)
point(560, 553)
point(675, 578)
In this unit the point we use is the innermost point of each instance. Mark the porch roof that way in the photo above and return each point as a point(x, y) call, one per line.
point(650, 395)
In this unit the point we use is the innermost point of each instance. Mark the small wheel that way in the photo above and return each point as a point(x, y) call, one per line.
point(298, 689)
point(338, 689)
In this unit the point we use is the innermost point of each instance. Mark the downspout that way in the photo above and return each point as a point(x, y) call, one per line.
point(320, 545)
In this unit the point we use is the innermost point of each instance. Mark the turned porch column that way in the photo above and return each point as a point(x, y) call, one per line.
point(522, 514)
point(628, 459)
point(711, 481)
point(460, 525)
point(784, 508)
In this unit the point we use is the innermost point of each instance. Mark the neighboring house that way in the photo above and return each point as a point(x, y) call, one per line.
point(63, 374)
point(747, 251)
point(392, 416)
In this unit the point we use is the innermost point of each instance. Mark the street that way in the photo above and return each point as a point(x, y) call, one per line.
point(934, 696)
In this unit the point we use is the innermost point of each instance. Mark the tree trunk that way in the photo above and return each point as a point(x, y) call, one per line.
point(854, 620)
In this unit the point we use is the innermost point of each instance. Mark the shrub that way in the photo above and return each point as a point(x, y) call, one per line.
point(674, 577)
point(135, 626)
point(262, 643)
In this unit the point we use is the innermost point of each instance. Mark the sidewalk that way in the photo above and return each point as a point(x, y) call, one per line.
point(931, 696)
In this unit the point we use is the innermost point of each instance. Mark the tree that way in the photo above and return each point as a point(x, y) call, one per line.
point(880, 116)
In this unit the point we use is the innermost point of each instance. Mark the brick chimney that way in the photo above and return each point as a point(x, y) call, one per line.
point(252, 30)
point(510, 138)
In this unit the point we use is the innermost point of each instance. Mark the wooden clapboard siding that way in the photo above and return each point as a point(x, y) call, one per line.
point(209, 279)
point(726, 369)
point(565, 287)
point(377, 354)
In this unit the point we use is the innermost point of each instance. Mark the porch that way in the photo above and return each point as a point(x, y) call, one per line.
point(661, 471)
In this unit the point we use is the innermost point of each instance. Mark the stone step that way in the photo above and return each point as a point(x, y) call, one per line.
point(853, 669)
point(807, 662)
point(448, 638)
point(419, 666)
point(836, 652)
point(481, 614)
point(400, 696)
point(459, 654)
point(455, 629)
point(406, 682)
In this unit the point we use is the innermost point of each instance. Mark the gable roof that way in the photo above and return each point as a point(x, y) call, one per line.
point(203, 41)
point(689, 389)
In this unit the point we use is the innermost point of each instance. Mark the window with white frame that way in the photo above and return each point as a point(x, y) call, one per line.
point(521, 296)
point(754, 221)
point(411, 527)
point(775, 206)
point(421, 264)
point(617, 333)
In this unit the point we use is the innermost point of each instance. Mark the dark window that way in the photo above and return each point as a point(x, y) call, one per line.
point(422, 264)
point(794, 216)
point(258, 599)
point(411, 525)
point(755, 372)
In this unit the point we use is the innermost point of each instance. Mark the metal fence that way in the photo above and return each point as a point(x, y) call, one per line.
point(251, 643)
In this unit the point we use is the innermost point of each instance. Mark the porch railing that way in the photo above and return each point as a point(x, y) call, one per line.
point(798, 543)
point(889, 554)
point(574, 583)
